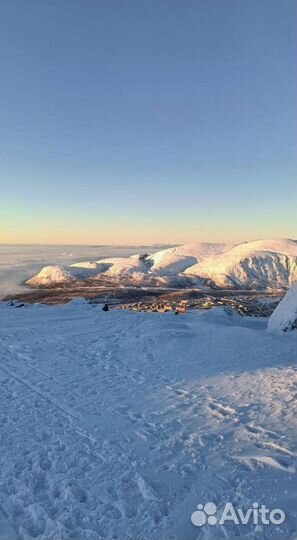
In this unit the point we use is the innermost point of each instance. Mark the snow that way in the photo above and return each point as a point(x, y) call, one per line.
point(118, 424)
point(259, 264)
point(85, 264)
point(177, 259)
point(19, 262)
point(58, 274)
point(50, 274)
point(120, 267)
point(284, 316)
point(251, 265)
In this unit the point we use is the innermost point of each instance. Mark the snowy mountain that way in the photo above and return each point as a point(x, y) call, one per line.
point(251, 265)
point(50, 275)
point(177, 259)
point(284, 317)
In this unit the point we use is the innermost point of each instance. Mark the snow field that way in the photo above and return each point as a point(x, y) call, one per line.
point(116, 425)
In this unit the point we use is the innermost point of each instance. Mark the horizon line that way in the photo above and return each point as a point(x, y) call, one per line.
point(158, 244)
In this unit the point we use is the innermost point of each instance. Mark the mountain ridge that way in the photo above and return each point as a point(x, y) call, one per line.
point(261, 264)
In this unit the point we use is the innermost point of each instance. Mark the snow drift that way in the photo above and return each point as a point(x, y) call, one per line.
point(284, 317)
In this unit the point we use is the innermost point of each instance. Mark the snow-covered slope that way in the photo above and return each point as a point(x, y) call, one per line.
point(121, 268)
point(50, 275)
point(252, 265)
point(85, 264)
point(260, 264)
point(284, 316)
point(177, 259)
point(118, 424)
point(138, 268)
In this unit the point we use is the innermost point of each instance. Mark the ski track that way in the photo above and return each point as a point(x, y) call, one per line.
point(117, 425)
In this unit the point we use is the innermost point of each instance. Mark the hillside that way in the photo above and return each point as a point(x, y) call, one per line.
point(252, 265)
point(263, 264)
point(178, 259)
point(118, 424)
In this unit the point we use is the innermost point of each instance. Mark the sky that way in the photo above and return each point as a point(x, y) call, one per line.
point(131, 122)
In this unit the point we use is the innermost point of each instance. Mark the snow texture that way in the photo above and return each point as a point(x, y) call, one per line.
point(284, 317)
point(118, 424)
point(264, 264)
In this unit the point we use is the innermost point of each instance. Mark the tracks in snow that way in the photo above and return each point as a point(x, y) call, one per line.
point(112, 429)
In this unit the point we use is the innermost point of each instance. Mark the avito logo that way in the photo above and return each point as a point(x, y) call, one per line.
point(258, 514)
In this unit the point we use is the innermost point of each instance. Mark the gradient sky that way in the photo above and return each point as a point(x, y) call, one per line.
point(131, 121)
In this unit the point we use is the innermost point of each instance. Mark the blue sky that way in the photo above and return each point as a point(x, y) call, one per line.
point(162, 121)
